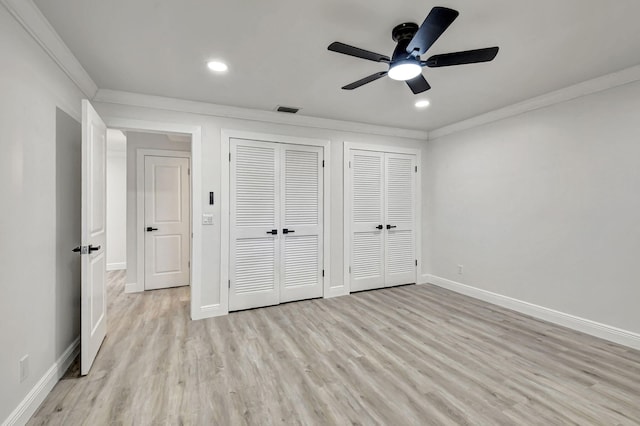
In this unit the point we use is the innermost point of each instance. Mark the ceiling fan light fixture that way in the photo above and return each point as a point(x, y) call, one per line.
point(404, 70)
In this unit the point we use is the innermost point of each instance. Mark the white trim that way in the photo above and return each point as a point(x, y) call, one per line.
point(29, 405)
point(116, 266)
point(348, 146)
point(210, 311)
point(140, 186)
point(204, 108)
point(32, 19)
point(225, 227)
point(196, 194)
point(603, 331)
point(585, 88)
point(131, 288)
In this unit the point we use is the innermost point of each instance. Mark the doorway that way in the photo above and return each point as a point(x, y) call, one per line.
point(381, 222)
point(156, 211)
point(277, 224)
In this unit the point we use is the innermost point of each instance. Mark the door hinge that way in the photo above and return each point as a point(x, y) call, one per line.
point(349, 269)
point(416, 262)
point(349, 164)
point(189, 171)
point(229, 283)
point(323, 272)
point(229, 156)
point(189, 264)
point(322, 163)
point(416, 169)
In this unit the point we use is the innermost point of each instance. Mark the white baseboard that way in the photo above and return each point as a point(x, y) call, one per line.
point(39, 392)
point(603, 331)
point(209, 311)
point(132, 288)
point(116, 266)
point(332, 292)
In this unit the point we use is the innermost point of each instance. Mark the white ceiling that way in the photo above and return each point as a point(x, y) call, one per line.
point(277, 52)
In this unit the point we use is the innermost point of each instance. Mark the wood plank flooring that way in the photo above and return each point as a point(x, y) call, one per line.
point(401, 356)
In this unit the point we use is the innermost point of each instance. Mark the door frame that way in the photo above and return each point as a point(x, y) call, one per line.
point(225, 231)
point(197, 311)
point(346, 185)
point(141, 153)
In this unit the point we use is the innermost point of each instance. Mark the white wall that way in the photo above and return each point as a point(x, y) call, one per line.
point(116, 200)
point(135, 141)
point(211, 177)
point(39, 221)
point(545, 207)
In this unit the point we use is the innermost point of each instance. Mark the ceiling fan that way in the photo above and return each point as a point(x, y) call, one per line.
point(413, 41)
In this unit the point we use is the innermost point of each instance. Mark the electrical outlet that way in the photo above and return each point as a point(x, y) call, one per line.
point(24, 368)
point(460, 269)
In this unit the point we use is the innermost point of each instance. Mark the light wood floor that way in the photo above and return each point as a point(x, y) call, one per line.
point(408, 355)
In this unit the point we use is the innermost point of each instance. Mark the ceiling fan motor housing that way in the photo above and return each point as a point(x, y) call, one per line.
point(402, 34)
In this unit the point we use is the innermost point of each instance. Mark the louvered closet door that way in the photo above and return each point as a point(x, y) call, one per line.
point(301, 223)
point(367, 216)
point(254, 213)
point(400, 187)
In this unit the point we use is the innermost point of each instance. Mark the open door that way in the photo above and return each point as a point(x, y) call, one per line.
point(93, 249)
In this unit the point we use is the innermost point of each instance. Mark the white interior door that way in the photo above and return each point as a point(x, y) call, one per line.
point(400, 187)
point(167, 215)
point(93, 324)
point(301, 242)
point(254, 272)
point(367, 220)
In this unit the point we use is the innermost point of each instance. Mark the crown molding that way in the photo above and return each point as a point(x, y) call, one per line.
point(599, 84)
point(224, 111)
point(32, 19)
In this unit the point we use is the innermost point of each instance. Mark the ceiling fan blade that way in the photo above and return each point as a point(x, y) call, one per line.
point(361, 82)
point(461, 58)
point(336, 46)
point(431, 29)
point(418, 84)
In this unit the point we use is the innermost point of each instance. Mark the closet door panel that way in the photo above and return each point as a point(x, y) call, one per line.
point(302, 222)
point(400, 187)
point(367, 219)
point(254, 214)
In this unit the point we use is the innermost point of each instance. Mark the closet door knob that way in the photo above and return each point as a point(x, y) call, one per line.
point(273, 232)
point(391, 226)
point(379, 227)
point(287, 231)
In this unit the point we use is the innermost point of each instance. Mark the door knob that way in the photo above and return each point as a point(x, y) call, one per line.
point(287, 231)
point(391, 226)
point(149, 229)
point(273, 232)
point(379, 227)
point(85, 249)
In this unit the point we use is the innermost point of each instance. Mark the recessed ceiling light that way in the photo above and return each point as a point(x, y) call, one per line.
point(217, 66)
point(422, 103)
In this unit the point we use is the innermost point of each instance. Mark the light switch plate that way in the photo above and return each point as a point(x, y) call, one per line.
point(207, 219)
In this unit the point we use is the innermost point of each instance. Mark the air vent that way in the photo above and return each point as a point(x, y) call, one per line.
point(290, 110)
